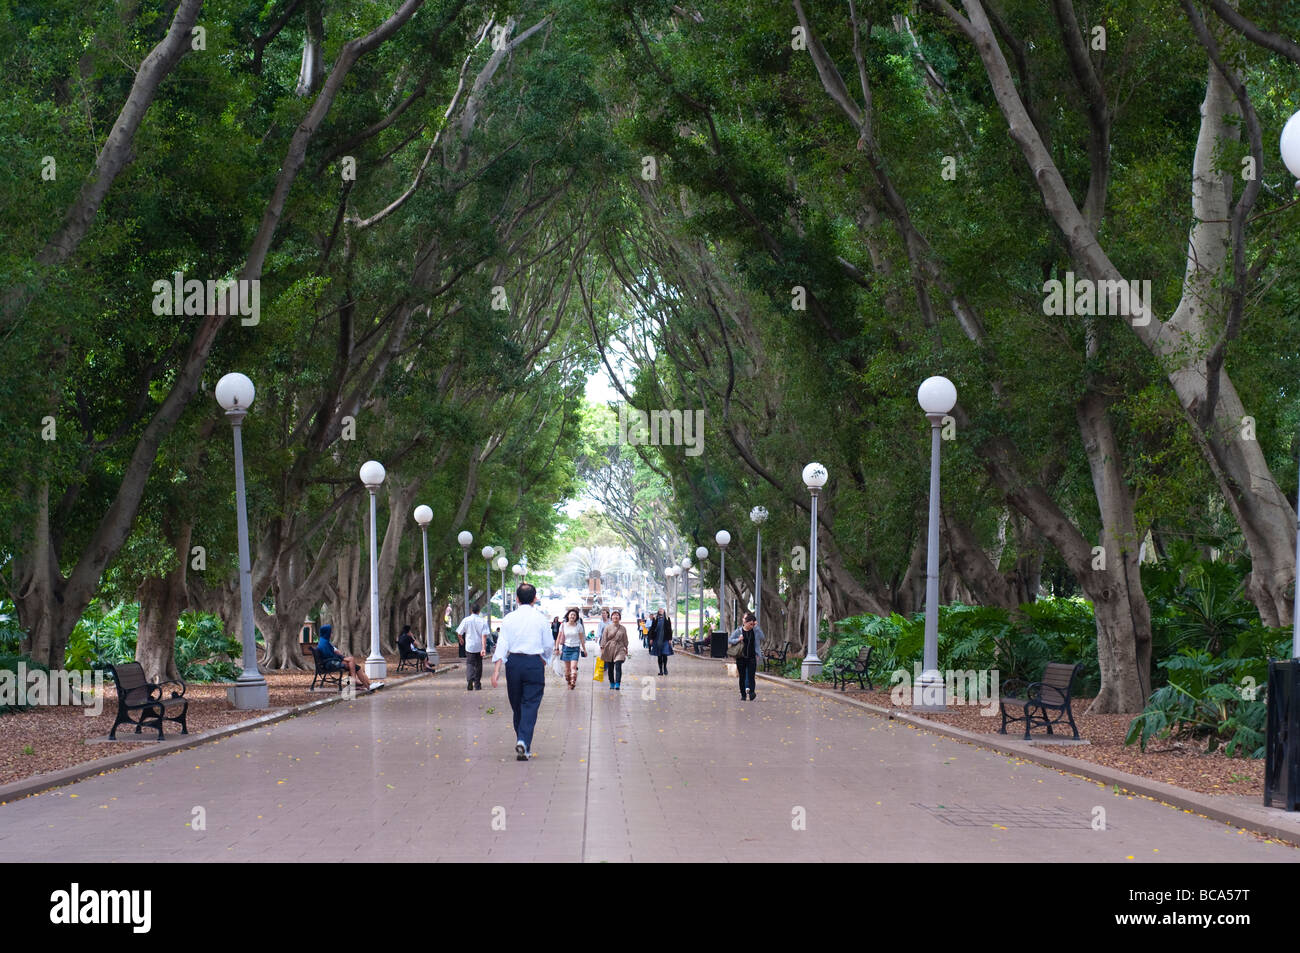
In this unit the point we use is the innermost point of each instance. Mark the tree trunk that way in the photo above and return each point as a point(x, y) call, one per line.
point(162, 600)
point(969, 562)
point(1265, 516)
point(1120, 607)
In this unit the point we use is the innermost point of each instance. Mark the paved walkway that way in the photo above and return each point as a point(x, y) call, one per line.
point(668, 769)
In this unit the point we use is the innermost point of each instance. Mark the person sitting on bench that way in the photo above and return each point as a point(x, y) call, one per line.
point(336, 661)
point(407, 646)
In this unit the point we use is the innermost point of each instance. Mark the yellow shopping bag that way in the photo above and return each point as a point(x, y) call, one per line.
point(600, 671)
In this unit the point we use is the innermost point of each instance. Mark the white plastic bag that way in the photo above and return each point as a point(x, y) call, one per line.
point(557, 666)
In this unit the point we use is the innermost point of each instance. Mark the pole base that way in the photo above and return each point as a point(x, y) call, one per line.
point(250, 695)
point(810, 668)
point(928, 692)
point(376, 667)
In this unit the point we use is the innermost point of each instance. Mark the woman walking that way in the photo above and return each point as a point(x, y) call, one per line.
point(571, 633)
point(749, 637)
point(661, 639)
point(613, 649)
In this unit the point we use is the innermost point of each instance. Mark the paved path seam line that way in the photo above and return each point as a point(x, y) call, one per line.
point(586, 789)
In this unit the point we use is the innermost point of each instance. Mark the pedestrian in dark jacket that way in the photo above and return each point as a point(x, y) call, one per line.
point(661, 640)
point(749, 637)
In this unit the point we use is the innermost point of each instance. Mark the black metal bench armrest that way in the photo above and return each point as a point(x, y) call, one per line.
point(171, 681)
point(1012, 689)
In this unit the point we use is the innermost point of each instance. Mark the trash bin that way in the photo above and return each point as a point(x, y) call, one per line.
point(1282, 740)
point(718, 645)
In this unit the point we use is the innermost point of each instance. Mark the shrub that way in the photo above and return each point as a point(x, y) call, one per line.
point(1199, 702)
point(200, 643)
point(10, 634)
point(9, 663)
point(1017, 644)
point(103, 637)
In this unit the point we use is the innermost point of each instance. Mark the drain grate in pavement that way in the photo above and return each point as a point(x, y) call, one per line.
point(1008, 817)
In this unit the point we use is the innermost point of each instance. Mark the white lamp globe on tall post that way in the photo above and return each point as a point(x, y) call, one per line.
point(466, 540)
point(701, 554)
point(758, 516)
point(1289, 146)
point(372, 475)
point(722, 539)
point(235, 394)
point(670, 589)
point(814, 478)
point(487, 554)
point(937, 396)
point(424, 516)
point(502, 562)
point(518, 571)
point(686, 591)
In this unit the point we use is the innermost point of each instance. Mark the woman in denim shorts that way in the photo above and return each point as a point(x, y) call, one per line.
point(570, 643)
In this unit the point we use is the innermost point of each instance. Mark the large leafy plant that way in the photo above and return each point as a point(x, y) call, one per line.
point(1202, 700)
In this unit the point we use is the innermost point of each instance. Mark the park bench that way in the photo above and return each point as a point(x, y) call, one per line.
point(137, 694)
point(322, 674)
point(409, 658)
point(699, 644)
point(1036, 699)
point(773, 657)
point(860, 668)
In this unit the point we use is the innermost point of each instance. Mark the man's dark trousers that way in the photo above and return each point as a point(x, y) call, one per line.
point(474, 669)
point(745, 669)
point(525, 682)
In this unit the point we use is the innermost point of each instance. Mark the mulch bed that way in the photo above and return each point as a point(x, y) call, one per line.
point(56, 735)
point(1184, 764)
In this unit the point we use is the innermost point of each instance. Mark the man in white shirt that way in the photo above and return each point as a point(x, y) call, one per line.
point(473, 630)
point(525, 645)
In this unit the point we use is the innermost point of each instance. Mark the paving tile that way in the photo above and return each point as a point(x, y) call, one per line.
point(689, 776)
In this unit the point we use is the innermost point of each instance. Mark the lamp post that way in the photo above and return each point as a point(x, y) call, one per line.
point(758, 516)
point(701, 554)
point(670, 589)
point(686, 569)
point(372, 475)
point(501, 567)
point(424, 516)
point(1289, 146)
point(814, 478)
point(722, 539)
point(937, 396)
point(235, 393)
point(518, 570)
point(466, 539)
point(487, 553)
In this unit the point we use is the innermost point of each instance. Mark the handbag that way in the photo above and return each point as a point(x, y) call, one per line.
point(599, 675)
point(733, 651)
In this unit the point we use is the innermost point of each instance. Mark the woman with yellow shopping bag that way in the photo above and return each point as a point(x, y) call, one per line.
point(613, 650)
